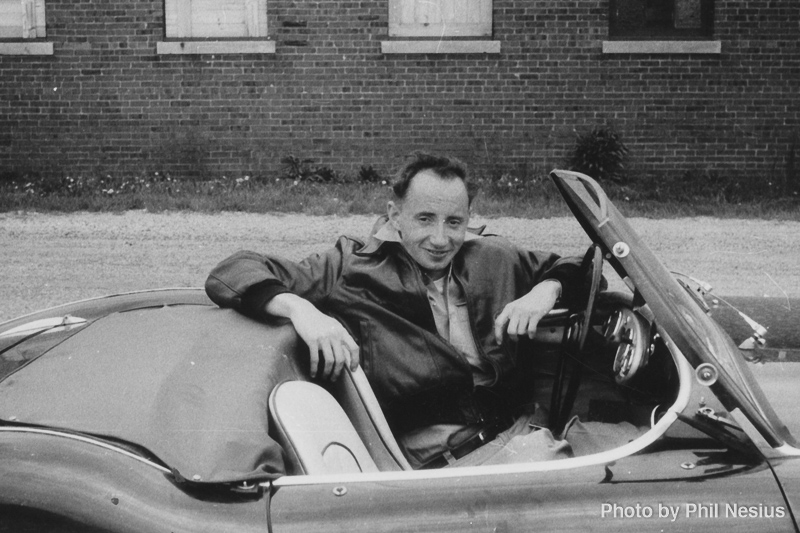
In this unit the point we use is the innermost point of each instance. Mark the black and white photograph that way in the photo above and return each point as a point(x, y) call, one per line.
point(399, 266)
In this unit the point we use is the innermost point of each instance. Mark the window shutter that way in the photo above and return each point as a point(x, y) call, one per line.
point(22, 19)
point(178, 14)
point(38, 24)
point(256, 17)
point(440, 18)
point(11, 19)
point(216, 18)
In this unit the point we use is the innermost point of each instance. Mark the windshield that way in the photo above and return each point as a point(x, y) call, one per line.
point(698, 337)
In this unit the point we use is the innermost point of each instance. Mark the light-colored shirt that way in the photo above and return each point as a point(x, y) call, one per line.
point(450, 312)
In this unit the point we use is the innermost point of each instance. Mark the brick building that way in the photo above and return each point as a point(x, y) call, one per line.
point(232, 86)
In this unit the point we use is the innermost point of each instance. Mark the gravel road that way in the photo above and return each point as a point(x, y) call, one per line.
point(49, 259)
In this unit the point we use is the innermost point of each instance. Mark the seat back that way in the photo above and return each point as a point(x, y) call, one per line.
point(314, 431)
point(354, 393)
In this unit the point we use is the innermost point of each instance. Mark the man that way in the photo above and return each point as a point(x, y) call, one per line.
point(430, 310)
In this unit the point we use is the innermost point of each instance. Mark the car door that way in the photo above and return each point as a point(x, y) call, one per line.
point(679, 490)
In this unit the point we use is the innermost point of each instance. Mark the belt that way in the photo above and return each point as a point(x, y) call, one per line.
point(487, 434)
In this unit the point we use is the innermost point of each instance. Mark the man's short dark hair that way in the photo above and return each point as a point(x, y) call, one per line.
point(445, 166)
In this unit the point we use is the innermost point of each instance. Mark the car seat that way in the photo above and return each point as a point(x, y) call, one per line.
point(315, 433)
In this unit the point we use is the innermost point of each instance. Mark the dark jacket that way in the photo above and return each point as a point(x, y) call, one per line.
point(378, 293)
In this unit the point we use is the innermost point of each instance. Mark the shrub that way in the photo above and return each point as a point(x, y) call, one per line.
point(297, 169)
point(367, 174)
point(600, 154)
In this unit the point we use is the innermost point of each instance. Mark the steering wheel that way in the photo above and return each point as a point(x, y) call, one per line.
point(572, 344)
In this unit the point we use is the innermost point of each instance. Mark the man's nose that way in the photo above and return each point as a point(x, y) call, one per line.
point(439, 236)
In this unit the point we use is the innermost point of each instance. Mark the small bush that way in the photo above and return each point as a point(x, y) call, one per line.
point(367, 174)
point(297, 169)
point(600, 154)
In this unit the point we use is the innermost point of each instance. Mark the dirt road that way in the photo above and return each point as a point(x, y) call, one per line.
point(49, 259)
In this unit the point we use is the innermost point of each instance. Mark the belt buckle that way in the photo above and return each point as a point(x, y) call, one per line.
point(485, 435)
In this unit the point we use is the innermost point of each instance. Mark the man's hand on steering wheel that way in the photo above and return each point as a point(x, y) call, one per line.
point(521, 316)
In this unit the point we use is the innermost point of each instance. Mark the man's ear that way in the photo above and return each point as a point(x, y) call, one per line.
point(393, 211)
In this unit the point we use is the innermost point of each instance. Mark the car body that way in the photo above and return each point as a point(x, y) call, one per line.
point(158, 411)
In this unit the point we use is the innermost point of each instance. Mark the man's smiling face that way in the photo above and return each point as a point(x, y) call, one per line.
point(432, 220)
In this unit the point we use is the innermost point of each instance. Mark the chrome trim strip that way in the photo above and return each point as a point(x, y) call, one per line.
point(87, 440)
point(96, 298)
point(45, 325)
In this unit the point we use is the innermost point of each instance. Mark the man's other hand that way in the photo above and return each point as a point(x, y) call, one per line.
point(323, 334)
point(521, 316)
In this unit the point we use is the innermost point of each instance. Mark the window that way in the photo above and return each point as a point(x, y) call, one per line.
point(661, 26)
point(22, 21)
point(216, 26)
point(440, 26)
point(216, 18)
point(440, 18)
point(661, 19)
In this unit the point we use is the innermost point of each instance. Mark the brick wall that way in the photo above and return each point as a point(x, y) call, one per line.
point(106, 102)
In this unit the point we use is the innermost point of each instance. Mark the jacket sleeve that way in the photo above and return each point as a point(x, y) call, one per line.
point(246, 281)
point(566, 270)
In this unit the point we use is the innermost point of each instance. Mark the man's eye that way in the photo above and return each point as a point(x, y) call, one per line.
point(455, 223)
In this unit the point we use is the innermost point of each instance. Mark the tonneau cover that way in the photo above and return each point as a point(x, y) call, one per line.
point(188, 383)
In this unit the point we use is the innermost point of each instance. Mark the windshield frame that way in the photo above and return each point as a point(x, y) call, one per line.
point(701, 340)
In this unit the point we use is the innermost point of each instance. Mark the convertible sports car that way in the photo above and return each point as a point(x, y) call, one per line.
point(158, 411)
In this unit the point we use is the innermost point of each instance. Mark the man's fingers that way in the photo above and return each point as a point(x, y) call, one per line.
point(517, 324)
point(513, 326)
point(329, 340)
point(533, 323)
point(327, 358)
point(313, 351)
point(340, 356)
point(355, 354)
point(499, 325)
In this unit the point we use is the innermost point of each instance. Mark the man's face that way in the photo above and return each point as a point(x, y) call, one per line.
point(432, 220)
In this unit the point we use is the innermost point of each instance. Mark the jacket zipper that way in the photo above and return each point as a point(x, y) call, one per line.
point(478, 345)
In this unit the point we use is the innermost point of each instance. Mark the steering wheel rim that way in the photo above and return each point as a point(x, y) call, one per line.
point(561, 407)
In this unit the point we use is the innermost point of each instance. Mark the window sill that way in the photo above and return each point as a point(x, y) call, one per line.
point(26, 49)
point(662, 47)
point(214, 47)
point(440, 47)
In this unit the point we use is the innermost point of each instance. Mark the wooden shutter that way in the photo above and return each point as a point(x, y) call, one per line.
point(22, 19)
point(10, 19)
point(440, 18)
point(216, 18)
